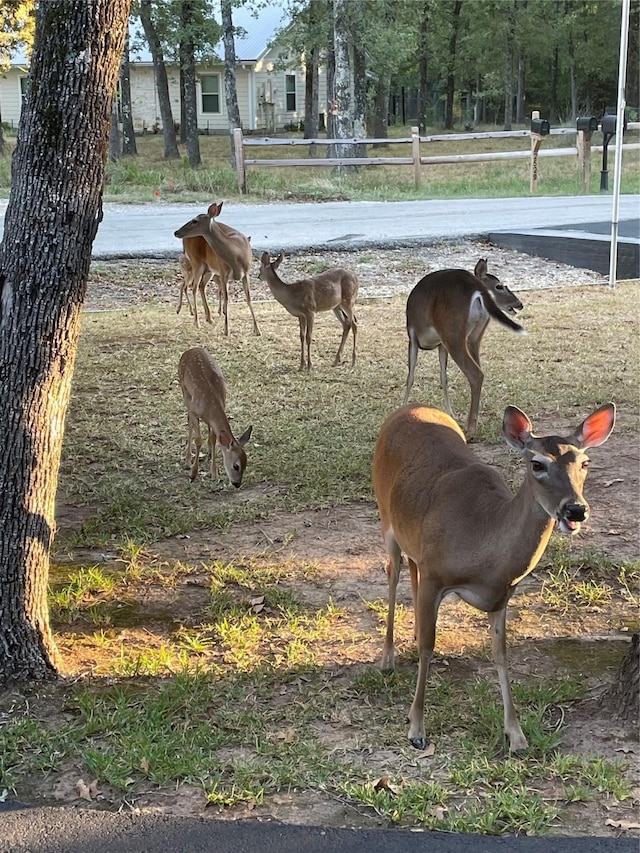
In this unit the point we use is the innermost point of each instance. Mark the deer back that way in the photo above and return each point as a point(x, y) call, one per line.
point(204, 388)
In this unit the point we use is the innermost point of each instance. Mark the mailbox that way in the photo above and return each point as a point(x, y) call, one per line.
point(587, 123)
point(540, 126)
point(609, 121)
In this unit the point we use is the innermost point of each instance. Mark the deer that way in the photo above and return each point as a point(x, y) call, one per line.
point(204, 393)
point(450, 309)
point(188, 281)
point(332, 290)
point(230, 255)
point(463, 530)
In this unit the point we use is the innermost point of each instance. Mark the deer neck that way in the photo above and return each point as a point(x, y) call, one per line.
point(527, 529)
point(221, 245)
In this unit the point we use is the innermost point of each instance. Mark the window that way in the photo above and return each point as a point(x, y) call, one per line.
point(290, 90)
point(210, 84)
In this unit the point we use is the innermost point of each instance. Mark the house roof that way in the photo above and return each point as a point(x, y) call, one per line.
point(259, 30)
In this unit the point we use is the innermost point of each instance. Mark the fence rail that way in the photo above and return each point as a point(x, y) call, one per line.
point(582, 149)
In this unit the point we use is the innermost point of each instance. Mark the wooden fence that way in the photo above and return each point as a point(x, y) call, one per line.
point(582, 149)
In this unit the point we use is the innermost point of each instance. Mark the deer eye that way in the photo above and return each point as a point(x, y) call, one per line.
point(499, 286)
point(585, 464)
point(236, 466)
point(536, 465)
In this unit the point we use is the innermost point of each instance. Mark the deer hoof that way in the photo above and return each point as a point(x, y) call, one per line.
point(419, 743)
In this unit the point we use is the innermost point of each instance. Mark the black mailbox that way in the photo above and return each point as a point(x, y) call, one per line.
point(609, 123)
point(587, 123)
point(540, 126)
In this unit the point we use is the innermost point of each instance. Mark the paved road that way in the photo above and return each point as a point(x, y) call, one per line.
point(71, 831)
point(147, 230)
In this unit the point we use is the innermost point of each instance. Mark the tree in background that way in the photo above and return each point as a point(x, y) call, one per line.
point(230, 88)
point(188, 81)
point(147, 18)
point(17, 21)
point(129, 148)
point(51, 220)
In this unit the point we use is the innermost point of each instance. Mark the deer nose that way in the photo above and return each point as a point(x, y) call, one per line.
point(575, 512)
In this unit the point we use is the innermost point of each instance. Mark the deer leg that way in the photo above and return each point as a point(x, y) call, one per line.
point(212, 452)
point(471, 369)
point(202, 287)
point(426, 605)
point(412, 359)
point(393, 573)
point(345, 322)
point(497, 625)
point(247, 296)
point(224, 295)
point(354, 332)
point(187, 452)
point(194, 427)
point(443, 356)
point(308, 336)
point(303, 328)
point(413, 574)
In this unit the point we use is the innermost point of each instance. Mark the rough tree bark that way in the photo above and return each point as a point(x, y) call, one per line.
point(230, 88)
point(51, 220)
point(188, 78)
point(129, 148)
point(343, 79)
point(623, 697)
point(422, 67)
point(171, 151)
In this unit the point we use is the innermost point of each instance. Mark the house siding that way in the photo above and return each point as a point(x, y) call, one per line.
point(10, 96)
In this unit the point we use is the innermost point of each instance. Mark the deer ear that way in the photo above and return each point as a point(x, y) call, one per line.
point(225, 438)
point(516, 428)
point(246, 435)
point(265, 260)
point(214, 209)
point(481, 268)
point(278, 260)
point(596, 429)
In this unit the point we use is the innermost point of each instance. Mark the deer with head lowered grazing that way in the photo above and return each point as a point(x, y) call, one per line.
point(204, 394)
point(451, 309)
point(229, 255)
point(332, 290)
point(464, 531)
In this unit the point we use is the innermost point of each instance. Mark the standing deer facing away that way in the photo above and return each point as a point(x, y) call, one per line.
point(463, 530)
point(204, 394)
point(332, 290)
point(230, 256)
point(451, 309)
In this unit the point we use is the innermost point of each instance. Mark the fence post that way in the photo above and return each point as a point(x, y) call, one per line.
point(584, 158)
point(536, 142)
point(415, 153)
point(240, 169)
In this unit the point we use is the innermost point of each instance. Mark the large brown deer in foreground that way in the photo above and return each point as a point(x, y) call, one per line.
point(332, 290)
point(450, 309)
point(230, 256)
point(464, 531)
point(204, 394)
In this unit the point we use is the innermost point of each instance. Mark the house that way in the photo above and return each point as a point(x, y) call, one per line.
point(270, 98)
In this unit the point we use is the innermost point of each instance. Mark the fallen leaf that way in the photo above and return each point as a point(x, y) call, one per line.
point(257, 599)
point(622, 824)
point(93, 789)
point(438, 812)
point(287, 736)
point(144, 764)
point(83, 790)
point(611, 482)
point(428, 752)
point(384, 784)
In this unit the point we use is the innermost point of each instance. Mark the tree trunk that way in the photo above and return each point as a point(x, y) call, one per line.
point(422, 68)
point(230, 88)
point(359, 92)
point(508, 68)
point(380, 119)
point(520, 117)
point(128, 134)
point(343, 79)
point(623, 697)
point(332, 108)
point(311, 108)
point(162, 84)
point(188, 76)
point(312, 80)
point(51, 220)
point(3, 144)
point(114, 135)
point(451, 77)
